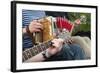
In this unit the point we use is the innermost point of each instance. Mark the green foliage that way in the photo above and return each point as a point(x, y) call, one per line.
point(84, 26)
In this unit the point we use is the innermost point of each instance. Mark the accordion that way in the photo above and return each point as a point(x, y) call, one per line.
point(47, 33)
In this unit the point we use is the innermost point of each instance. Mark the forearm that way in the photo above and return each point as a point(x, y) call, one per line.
point(38, 58)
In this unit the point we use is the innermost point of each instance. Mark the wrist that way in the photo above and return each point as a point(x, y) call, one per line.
point(24, 30)
point(27, 30)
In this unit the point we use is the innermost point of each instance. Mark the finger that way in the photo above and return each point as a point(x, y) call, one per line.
point(57, 45)
point(67, 41)
point(51, 43)
point(58, 41)
point(70, 42)
point(38, 27)
point(37, 30)
point(53, 47)
point(39, 24)
point(34, 22)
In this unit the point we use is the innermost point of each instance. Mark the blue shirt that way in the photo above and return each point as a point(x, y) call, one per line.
point(27, 17)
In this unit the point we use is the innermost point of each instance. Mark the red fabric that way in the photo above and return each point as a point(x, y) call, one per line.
point(63, 23)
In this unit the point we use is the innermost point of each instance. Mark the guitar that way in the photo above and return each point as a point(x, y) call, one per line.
point(31, 52)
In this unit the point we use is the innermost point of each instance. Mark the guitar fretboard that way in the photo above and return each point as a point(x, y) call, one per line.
point(27, 54)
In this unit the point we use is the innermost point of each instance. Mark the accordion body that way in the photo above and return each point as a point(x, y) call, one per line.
point(47, 33)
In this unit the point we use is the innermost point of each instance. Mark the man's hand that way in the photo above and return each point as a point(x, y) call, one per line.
point(57, 46)
point(35, 26)
point(70, 41)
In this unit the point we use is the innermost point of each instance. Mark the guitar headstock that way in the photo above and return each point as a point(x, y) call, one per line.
point(64, 34)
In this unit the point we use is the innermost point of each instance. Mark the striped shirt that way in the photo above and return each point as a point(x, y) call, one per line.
point(27, 17)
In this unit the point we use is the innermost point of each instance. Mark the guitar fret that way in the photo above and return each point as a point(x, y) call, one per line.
point(43, 46)
point(28, 54)
point(24, 56)
point(35, 50)
point(32, 51)
point(49, 43)
point(39, 48)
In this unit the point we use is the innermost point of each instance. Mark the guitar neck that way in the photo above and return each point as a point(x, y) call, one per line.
point(27, 54)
